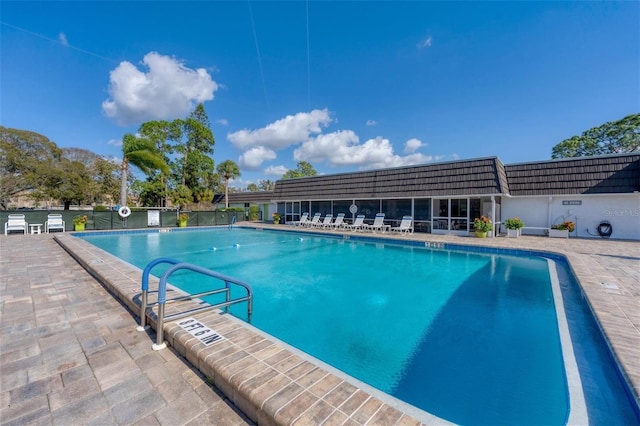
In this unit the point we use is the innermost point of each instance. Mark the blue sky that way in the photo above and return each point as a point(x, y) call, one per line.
point(345, 86)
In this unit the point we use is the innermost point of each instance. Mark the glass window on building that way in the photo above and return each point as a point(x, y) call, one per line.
point(322, 207)
point(422, 215)
point(459, 217)
point(395, 209)
point(342, 206)
point(369, 208)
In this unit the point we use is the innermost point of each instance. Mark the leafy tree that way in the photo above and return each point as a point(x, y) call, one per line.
point(181, 196)
point(104, 175)
point(610, 138)
point(228, 170)
point(162, 133)
point(266, 185)
point(25, 156)
point(304, 169)
point(195, 167)
point(252, 187)
point(140, 152)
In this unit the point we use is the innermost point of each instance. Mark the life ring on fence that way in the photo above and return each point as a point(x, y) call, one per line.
point(124, 212)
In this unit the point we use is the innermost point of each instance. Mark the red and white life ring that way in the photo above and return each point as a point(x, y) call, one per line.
point(124, 211)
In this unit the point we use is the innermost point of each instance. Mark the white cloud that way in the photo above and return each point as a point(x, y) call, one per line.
point(412, 145)
point(275, 170)
point(424, 43)
point(114, 142)
point(222, 121)
point(342, 148)
point(166, 90)
point(291, 130)
point(371, 122)
point(253, 158)
point(62, 37)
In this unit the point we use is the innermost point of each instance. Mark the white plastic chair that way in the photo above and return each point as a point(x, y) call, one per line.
point(338, 222)
point(16, 222)
point(314, 220)
point(303, 220)
point(54, 221)
point(378, 224)
point(405, 225)
point(358, 223)
point(326, 222)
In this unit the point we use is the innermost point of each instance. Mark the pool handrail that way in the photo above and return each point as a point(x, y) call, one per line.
point(162, 295)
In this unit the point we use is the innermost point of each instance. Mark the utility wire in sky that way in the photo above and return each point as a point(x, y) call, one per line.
point(255, 38)
point(62, 42)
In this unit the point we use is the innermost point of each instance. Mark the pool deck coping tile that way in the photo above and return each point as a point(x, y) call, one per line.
point(607, 270)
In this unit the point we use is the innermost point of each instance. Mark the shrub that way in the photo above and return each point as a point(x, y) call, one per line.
point(482, 224)
point(514, 223)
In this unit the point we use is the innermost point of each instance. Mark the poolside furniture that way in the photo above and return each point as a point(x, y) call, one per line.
point(314, 220)
point(303, 220)
point(54, 221)
point(338, 222)
point(16, 222)
point(36, 228)
point(405, 225)
point(378, 224)
point(326, 222)
point(358, 223)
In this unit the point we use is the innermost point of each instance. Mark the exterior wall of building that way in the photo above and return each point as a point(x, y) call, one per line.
point(622, 211)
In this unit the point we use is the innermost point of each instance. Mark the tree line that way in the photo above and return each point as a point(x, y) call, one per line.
point(176, 158)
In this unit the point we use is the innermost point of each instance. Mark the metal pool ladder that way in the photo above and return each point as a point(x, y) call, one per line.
point(162, 295)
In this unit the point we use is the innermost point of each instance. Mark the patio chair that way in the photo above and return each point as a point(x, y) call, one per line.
point(314, 220)
point(326, 222)
point(54, 221)
point(338, 222)
point(378, 224)
point(16, 222)
point(358, 223)
point(405, 225)
point(303, 220)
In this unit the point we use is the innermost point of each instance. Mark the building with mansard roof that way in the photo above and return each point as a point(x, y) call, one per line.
point(445, 198)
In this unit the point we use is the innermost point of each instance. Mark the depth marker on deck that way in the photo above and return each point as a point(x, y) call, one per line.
point(199, 330)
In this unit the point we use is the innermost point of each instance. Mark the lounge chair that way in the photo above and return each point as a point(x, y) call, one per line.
point(338, 222)
point(303, 220)
point(16, 222)
point(378, 224)
point(358, 223)
point(405, 225)
point(326, 222)
point(54, 221)
point(314, 220)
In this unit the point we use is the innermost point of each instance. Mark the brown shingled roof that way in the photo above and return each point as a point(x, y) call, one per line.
point(611, 174)
point(469, 177)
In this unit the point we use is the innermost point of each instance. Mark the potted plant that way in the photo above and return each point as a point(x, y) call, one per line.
point(482, 225)
point(513, 225)
point(182, 219)
point(276, 218)
point(562, 230)
point(79, 222)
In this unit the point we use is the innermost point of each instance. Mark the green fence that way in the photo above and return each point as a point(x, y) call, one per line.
point(109, 220)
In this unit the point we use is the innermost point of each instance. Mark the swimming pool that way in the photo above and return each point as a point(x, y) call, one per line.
point(441, 329)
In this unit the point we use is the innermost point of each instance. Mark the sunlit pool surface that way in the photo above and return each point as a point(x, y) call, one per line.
point(469, 337)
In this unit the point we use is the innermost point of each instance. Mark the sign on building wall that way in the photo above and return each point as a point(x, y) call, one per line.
point(572, 203)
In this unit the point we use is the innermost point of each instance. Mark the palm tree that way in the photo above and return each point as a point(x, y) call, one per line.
point(142, 153)
point(229, 170)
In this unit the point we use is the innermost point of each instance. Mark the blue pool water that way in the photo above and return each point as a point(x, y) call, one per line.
point(469, 337)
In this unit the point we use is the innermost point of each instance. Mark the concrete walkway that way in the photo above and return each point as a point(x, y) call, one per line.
point(70, 353)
